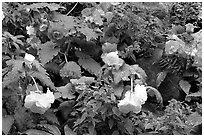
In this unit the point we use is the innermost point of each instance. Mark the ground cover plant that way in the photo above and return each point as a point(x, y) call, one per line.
point(92, 68)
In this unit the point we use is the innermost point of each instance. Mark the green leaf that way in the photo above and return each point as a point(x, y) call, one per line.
point(41, 74)
point(185, 86)
point(15, 72)
point(51, 6)
point(121, 74)
point(153, 91)
point(67, 22)
point(89, 33)
point(71, 69)
point(110, 123)
point(79, 121)
point(97, 17)
point(118, 90)
point(116, 111)
point(91, 129)
point(47, 52)
point(66, 91)
point(149, 126)
point(129, 126)
point(88, 63)
point(82, 80)
point(7, 122)
point(160, 77)
point(194, 119)
point(51, 117)
point(68, 131)
point(36, 132)
point(50, 128)
point(135, 69)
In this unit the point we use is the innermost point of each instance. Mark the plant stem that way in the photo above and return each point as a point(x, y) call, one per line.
point(72, 9)
point(35, 83)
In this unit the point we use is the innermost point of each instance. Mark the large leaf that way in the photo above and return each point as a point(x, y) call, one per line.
point(88, 63)
point(185, 86)
point(47, 52)
point(66, 91)
point(70, 69)
point(7, 122)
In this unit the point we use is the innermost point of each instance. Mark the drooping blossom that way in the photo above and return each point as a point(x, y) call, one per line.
point(39, 102)
point(133, 100)
point(112, 59)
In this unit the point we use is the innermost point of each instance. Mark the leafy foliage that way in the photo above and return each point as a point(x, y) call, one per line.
point(90, 54)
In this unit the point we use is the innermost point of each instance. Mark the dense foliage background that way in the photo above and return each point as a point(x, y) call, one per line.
point(159, 45)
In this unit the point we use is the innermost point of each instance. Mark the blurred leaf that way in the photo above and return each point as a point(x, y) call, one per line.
point(97, 17)
point(149, 126)
point(71, 69)
point(68, 131)
point(7, 122)
point(89, 33)
point(50, 128)
point(118, 90)
point(110, 123)
point(185, 86)
point(91, 129)
point(116, 111)
point(160, 77)
point(36, 132)
point(194, 119)
point(66, 91)
point(51, 6)
point(51, 117)
point(82, 80)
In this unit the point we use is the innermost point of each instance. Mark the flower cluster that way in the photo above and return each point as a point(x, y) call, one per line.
point(39, 102)
point(133, 100)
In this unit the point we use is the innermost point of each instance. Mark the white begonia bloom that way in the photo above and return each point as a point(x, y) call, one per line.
point(29, 58)
point(133, 100)
point(39, 103)
point(30, 30)
point(112, 59)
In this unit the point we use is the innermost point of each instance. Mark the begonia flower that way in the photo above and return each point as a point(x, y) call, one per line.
point(29, 58)
point(39, 102)
point(133, 100)
point(30, 30)
point(112, 59)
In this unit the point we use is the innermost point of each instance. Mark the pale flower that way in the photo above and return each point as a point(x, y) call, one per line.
point(133, 100)
point(112, 59)
point(30, 30)
point(39, 103)
point(29, 58)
